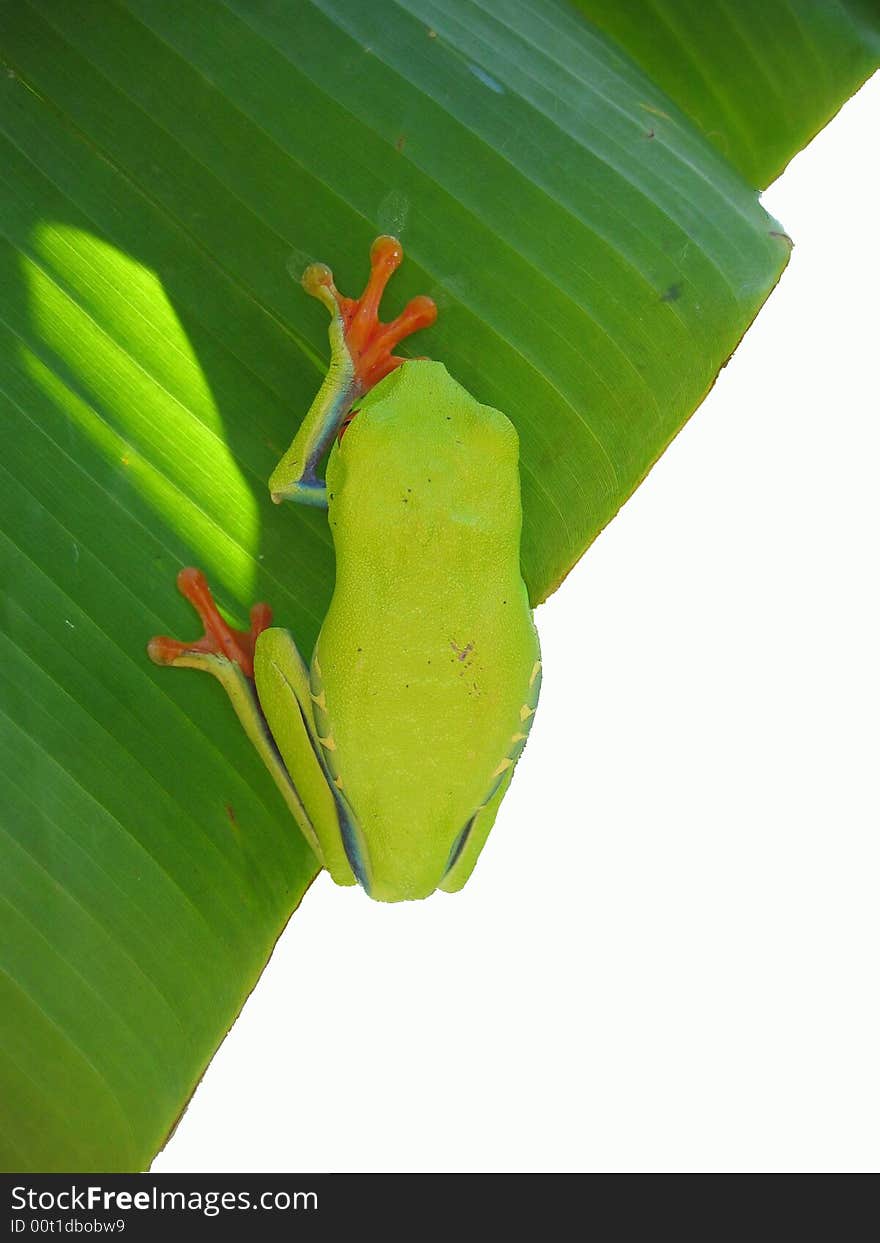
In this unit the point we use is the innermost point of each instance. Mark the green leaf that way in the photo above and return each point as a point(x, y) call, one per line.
point(167, 167)
point(758, 77)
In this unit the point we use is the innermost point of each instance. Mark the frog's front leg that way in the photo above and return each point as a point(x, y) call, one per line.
point(360, 356)
point(239, 659)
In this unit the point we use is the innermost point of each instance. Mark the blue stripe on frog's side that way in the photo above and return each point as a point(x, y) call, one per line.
point(353, 843)
point(352, 839)
point(459, 844)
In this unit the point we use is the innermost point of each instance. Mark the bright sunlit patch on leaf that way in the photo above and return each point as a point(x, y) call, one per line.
point(175, 509)
point(123, 370)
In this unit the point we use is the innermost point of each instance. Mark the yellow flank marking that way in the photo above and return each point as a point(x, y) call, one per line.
point(525, 712)
point(316, 665)
point(337, 781)
point(535, 671)
point(506, 763)
point(327, 743)
point(517, 737)
point(320, 700)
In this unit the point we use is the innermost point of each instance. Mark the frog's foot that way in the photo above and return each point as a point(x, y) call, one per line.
point(367, 340)
point(228, 654)
point(220, 640)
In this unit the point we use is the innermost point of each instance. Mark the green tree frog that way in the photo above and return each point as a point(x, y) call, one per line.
point(395, 746)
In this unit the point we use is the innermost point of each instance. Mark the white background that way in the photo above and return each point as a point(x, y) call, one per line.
point(667, 958)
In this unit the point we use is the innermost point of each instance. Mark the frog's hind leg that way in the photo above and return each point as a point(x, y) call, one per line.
point(296, 714)
point(228, 655)
point(471, 840)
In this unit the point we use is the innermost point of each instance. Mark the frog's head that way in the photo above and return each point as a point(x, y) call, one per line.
point(361, 355)
point(418, 451)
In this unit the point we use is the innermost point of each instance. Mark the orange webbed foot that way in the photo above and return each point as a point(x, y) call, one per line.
point(370, 342)
point(219, 639)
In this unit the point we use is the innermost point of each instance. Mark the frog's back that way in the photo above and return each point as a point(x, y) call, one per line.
point(433, 646)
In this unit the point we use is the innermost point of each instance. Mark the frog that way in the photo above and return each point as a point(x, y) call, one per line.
point(394, 745)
